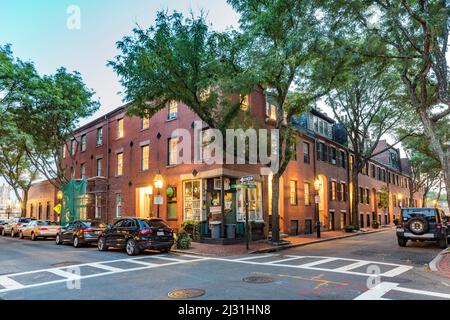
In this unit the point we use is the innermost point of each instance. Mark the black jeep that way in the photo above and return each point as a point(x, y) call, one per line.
point(422, 224)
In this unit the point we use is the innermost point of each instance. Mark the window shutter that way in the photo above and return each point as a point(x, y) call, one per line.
point(330, 190)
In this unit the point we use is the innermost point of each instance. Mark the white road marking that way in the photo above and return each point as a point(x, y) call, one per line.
point(254, 257)
point(65, 274)
point(377, 292)
point(9, 283)
point(315, 263)
point(354, 265)
point(397, 271)
point(284, 260)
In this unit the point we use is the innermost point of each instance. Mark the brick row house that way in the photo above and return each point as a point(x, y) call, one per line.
point(120, 156)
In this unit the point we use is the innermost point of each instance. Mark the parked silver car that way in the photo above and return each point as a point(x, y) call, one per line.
point(12, 228)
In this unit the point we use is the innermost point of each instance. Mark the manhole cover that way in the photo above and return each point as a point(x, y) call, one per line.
point(186, 293)
point(65, 264)
point(258, 279)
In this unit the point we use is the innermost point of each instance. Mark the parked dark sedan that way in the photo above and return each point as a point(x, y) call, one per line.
point(80, 232)
point(135, 235)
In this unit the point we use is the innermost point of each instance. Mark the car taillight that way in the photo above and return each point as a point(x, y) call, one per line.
point(43, 228)
point(399, 225)
point(438, 225)
point(87, 230)
point(147, 231)
point(19, 224)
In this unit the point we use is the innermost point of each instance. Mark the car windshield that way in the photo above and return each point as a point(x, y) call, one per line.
point(428, 213)
point(154, 223)
point(46, 223)
point(94, 224)
point(24, 220)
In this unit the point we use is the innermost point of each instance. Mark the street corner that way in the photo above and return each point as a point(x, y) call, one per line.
point(441, 263)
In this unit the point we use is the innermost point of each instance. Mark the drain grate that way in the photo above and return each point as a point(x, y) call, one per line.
point(65, 264)
point(186, 293)
point(258, 279)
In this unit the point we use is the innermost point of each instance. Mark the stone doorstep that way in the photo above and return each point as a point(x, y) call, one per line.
point(271, 248)
point(441, 263)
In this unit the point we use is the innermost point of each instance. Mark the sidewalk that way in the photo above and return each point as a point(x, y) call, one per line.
point(264, 246)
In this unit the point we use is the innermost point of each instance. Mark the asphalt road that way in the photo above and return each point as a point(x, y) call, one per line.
point(364, 267)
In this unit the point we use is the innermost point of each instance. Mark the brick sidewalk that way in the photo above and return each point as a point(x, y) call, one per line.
point(263, 246)
point(443, 265)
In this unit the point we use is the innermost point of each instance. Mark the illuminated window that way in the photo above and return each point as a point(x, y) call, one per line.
point(118, 205)
point(120, 128)
point(145, 124)
point(333, 190)
point(145, 157)
point(119, 166)
point(173, 151)
point(64, 151)
point(307, 194)
point(293, 192)
point(83, 170)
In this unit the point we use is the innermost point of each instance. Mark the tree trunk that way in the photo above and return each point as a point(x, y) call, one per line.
point(355, 200)
point(275, 208)
point(24, 203)
point(446, 170)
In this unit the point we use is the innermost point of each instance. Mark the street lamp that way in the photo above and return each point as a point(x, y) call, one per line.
point(317, 186)
point(158, 182)
point(59, 195)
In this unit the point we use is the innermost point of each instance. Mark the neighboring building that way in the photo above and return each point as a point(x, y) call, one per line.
point(9, 207)
point(42, 201)
point(120, 156)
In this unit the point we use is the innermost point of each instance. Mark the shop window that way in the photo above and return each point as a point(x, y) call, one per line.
point(254, 203)
point(172, 203)
point(193, 201)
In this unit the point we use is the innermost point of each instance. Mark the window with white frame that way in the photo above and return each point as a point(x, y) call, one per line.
point(145, 157)
point(99, 167)
point(99, 136)
point(293, 192)
point(119, 128)
point(173, 110)
point(172, 151)
point(119, 164)
point(83, 143)
point(118, 205)
point(254, 203)
point(192, 200)
point(145, 124)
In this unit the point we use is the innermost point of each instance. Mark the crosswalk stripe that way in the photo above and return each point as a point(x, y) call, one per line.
point(284, 260)
point(254, 257)
point(105, 267)
point(352, 266)
point(396, 271)
point(143, 263)
point(377, 292)
point(9, 283)
point(65, 274)
point(315, 263)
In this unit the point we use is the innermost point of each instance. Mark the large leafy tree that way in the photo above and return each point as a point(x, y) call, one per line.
point(284, 43)
point(181, 59)
point(367, 105)
point(412, 36)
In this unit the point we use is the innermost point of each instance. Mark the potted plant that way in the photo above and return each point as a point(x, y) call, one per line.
point(349, 228)
point(183, 240)
point(375, 224)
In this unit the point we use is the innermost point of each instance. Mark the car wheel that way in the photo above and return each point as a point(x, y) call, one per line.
point(12, 233)
point(101, 244)
point(20, 235)
point(76, 242)
point(402, 241)
point(131, 248)
point(442, 243)
point(33, 237)
point(3, 233)
point(58, 239)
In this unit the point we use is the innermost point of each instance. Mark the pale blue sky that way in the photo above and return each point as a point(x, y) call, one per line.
point(37, 31)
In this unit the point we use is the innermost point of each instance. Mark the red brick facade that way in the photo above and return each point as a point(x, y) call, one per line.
point(296, 210)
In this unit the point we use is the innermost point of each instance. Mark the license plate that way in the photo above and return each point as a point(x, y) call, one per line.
point(160, 233)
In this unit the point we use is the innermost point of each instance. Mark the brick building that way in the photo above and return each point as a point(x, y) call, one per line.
point(120, 156)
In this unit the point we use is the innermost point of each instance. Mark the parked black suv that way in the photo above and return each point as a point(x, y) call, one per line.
point(422, 224)
point(135, 234)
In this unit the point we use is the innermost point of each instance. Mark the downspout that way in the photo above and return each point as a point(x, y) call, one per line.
point(349, 204)
point(107, 167)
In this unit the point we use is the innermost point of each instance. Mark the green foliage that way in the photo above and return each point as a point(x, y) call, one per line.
point(183, 240)
point(192, 228)
point(181, 59)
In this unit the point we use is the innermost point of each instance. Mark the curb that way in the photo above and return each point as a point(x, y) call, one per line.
point(433, 264)
point(289, 246)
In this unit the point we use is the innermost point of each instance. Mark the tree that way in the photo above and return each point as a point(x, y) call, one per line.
point(180, 59)
point(412, 37)
point(284, 45)
point(367, 105)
